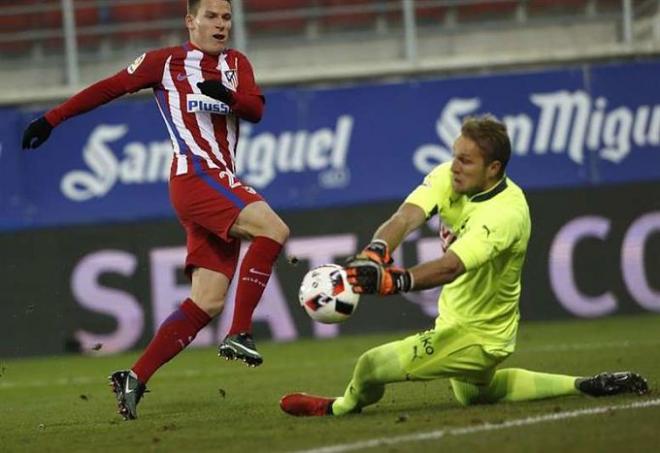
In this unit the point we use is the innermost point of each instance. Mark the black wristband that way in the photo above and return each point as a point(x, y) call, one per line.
point(404, 282)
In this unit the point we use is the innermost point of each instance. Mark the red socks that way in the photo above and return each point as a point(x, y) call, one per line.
point(252, 279)
point(181, 327)
point(174, 334)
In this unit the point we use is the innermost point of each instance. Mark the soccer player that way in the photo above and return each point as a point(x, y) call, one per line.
point(202, 89)
point(486, 227)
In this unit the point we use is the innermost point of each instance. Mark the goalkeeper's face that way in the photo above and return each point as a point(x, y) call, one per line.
point(470, 172)
point(209, 26)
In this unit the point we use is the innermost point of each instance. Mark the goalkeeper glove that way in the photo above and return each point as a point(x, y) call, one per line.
point(36, 133)
point(377, 251)
point(369, 277)
point(216, 90)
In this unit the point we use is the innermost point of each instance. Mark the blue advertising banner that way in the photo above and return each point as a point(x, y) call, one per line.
point(330, 147)
point(12, 184)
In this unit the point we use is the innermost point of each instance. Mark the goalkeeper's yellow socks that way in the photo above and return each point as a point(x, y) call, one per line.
point(514, 384)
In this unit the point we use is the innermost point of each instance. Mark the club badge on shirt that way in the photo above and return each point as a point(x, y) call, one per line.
point(447, 237)
point(229, 73)
point(230, 79)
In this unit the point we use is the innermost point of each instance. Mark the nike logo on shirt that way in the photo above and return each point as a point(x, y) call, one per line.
point(256, 272)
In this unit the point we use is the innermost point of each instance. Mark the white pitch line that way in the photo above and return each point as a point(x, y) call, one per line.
point(433, 435)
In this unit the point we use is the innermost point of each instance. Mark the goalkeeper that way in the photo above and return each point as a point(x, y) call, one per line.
point(486, 228)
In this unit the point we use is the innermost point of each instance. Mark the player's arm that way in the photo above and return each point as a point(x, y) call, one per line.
point(140, 74)
point(437, 272)
point(486, 236)
point(417, 208)
point(91, 97)
point(391, 233)
point(405, 220)
point(246, 102)
point(374, 278)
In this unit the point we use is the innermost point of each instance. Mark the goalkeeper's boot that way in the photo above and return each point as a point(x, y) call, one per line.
point(240, 347)
point(304, 405)
point(128, 391)
point(606, 384)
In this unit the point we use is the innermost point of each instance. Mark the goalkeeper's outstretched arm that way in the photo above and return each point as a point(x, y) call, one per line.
point(370, 277)
point(405, 220)
point(437, 272)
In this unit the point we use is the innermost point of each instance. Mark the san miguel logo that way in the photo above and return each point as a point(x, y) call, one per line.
point(139, 163)
point(570, 123)
point(260, 158)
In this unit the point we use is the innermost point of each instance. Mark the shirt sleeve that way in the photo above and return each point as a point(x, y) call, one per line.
point(428, 194)
point(485, 236)
point(248, 101)
point(146, 71)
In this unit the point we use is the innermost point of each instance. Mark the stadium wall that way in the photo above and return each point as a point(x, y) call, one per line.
point(91, 254)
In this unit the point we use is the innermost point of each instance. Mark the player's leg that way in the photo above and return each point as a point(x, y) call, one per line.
point(210, 264)
point(513, 384)
point(375, 368)
point(173, 335)
point(221, 204)
point(445, 351)
point(259, 223)
point(182, 325)
point(209, 288)
point(441, 352)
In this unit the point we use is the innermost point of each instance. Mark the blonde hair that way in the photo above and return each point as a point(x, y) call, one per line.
point(491, 137)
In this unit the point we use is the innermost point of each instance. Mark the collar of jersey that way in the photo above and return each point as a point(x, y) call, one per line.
point(188, 46)
point(490, 193)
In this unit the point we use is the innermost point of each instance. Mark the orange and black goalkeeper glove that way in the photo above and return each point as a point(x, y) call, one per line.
point(377, 251)
point(369, 277)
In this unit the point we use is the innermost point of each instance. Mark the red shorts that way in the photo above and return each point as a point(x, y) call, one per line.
point(207, 205)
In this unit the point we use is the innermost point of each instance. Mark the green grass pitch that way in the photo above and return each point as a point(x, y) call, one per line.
point(201, 403)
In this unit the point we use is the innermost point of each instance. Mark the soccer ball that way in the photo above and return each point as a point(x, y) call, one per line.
point(326, 295)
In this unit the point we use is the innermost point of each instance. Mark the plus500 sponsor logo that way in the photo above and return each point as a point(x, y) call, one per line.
point(260, 158)
point(204, 104)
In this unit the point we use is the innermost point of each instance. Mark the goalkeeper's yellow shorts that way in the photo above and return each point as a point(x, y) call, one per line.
point(448, 351)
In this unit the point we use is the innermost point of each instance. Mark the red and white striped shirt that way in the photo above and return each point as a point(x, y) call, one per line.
point(200, 127)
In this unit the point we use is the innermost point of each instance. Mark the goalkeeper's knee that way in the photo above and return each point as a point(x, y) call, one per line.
point(365, 368)
point(467, 393)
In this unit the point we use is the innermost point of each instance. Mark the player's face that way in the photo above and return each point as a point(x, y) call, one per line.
point(209, 28)
point(470, 173)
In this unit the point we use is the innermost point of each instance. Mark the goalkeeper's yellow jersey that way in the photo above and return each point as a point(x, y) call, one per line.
point(490, 232)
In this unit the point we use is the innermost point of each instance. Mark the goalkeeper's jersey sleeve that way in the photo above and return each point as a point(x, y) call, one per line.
point(431, 192)
point(489, 233)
